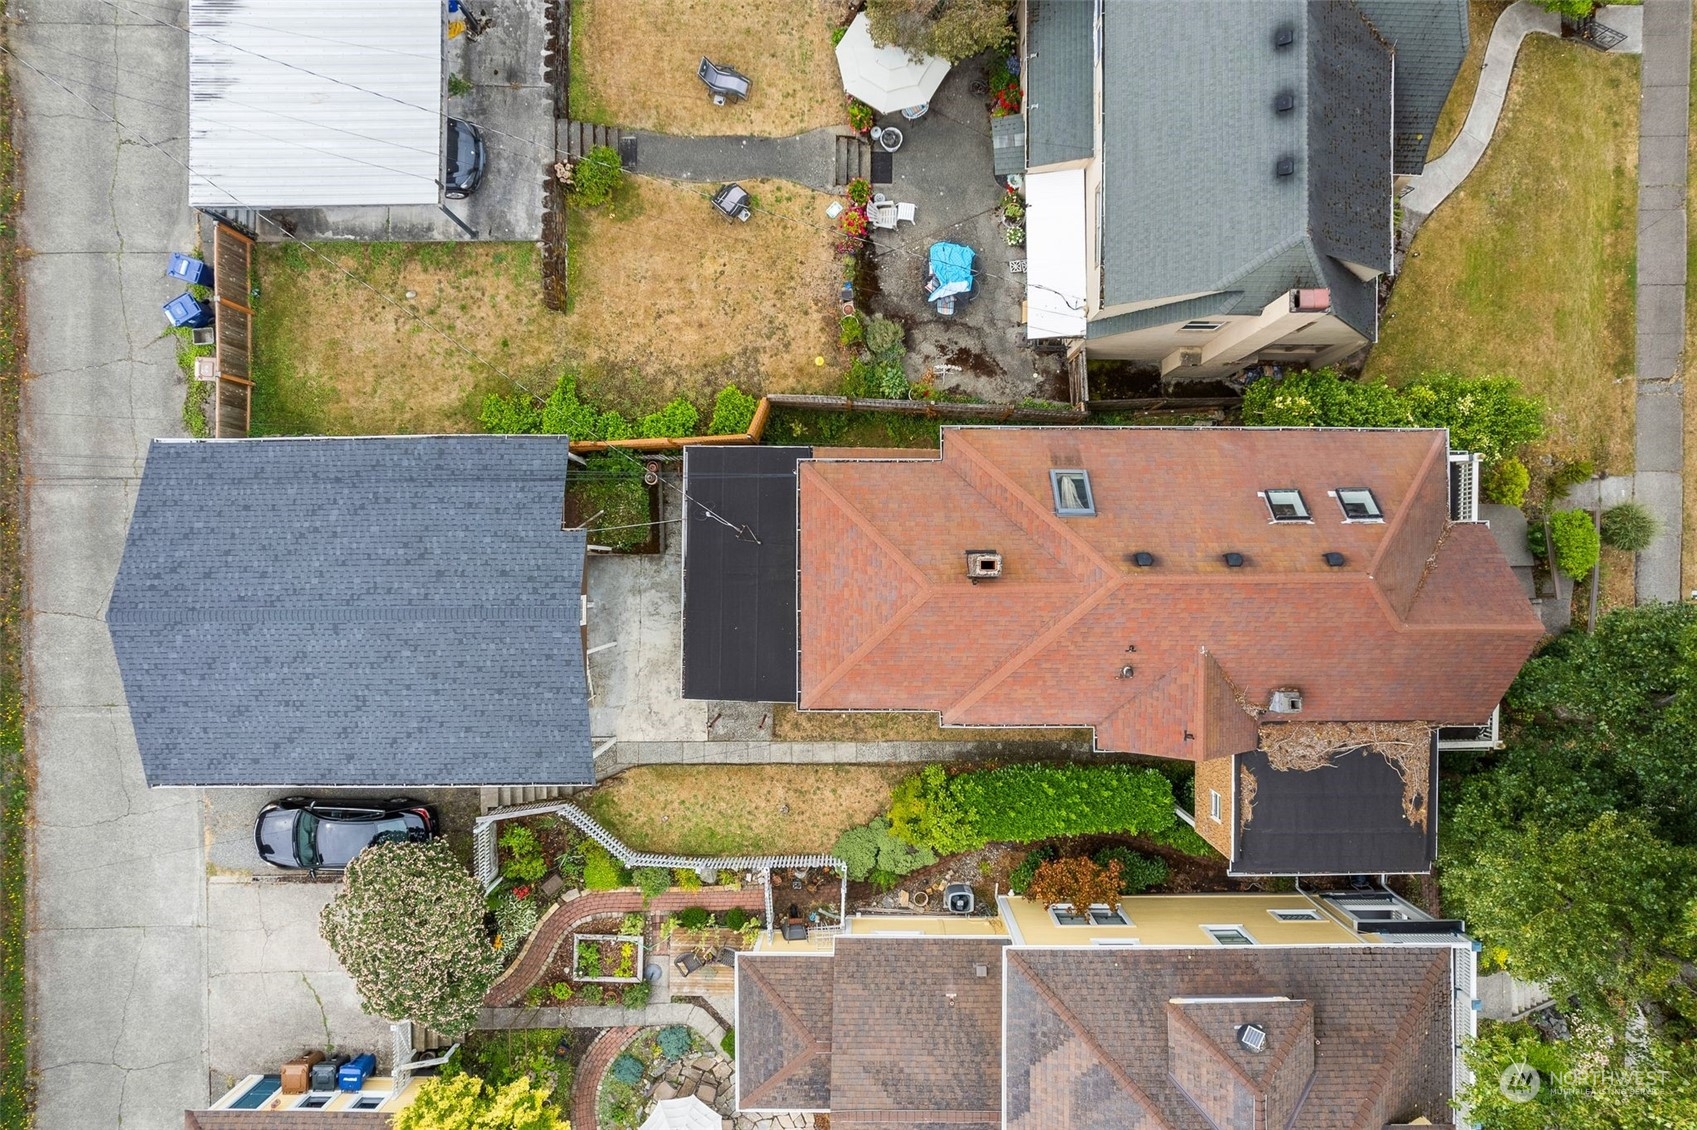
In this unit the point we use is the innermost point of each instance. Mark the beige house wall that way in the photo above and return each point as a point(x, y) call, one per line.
point(1215, 776)
point(1305, 340)
point(1177, 920)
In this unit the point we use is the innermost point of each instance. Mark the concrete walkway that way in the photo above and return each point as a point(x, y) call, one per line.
point(1659, 450)
point(1444, 175)
point(627, 755)
point(805, 158)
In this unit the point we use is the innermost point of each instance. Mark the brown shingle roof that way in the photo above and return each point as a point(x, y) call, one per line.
point(784, 1011)
point(1094, 1038)
point(1424, 621)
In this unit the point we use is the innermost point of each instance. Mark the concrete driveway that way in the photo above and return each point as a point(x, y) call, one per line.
point(512, 104)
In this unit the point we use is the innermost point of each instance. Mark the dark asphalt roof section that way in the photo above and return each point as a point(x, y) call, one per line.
point(1343, 819)
point(1192, 203)
point(739, 594)
point(1430, 37)
point(1060, 64)
point(387, 611)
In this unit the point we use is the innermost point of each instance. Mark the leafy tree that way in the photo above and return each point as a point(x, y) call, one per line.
point(873, 847)
point(1487, 415)
point(596, 176)
point(518, 414)
point(1599, 1080)
point(1629, 526)
point(1077, 881)
point(465, 1102)
point(407, 925)
point(1506, 482)
point(1575, 541)
point(952, 29)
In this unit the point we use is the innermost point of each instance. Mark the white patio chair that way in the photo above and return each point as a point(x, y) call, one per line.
point(904, 213)
point(882, 216)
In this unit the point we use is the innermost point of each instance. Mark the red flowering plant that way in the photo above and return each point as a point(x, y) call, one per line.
point(851, 228)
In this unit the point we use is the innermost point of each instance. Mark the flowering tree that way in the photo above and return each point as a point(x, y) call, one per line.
point(465, 1102)
point(408, 927)
point(1076, 881)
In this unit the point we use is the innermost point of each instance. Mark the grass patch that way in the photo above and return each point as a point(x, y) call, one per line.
point(741, 809)
point(609, 494)
point(16, 1100)
point(1481, 18)
point(634, 61)
point(654, 314)
point(850, 429)
point(792, 725)
point(1527, 270)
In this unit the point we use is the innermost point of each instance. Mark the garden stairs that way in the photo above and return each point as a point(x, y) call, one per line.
point(853, 160)
point(511, 796)
point(580, 137)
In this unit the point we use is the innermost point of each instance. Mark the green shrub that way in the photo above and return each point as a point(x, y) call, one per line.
point(1577, 545)
point(591, 995)
point(1569, 475)
point(636, 996)
point(565, 414)
point(1487, 415)
point(728, 1043)
point(736, 918)
point(570, 867)
point(733, 412)
point(1021, 803)
point(596, 175)
point(872, 847)
point(857, 382)
point(1020, 877)
point(1506, 481)
point(889, 379)
point(686, 878)
point(652, 880)
point(627, 1069)
point(518, 414)
point(677, 418)
point(561, 991)
point(860, 191)
point(1629, 526)
point(515, 918)
point(587, 960)
point(1138, 872)
point(1182, 837)
point(601, 872)
point(924, 813)
point(524, 863)
point(693, 918)
point(883, 880)
point(849, 331)
point(884, 337)
point(459, 85)
point(632, 923)
point(674, 1041)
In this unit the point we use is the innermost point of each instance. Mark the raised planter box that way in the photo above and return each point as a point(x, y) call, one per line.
point(610, 949)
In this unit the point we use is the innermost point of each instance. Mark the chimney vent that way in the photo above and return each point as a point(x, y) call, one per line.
point(1333, 558)
point(1285, 167)
point(1284, 101)
point(1127, 671)
point(983, 564)
point(1232, 560)
point(1143, 559)
point(1285, 700)
point(1310, 300)
point(1252, 1037)
point(1283, 36)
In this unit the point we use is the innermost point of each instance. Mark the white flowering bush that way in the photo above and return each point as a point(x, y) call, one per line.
point(407, 925)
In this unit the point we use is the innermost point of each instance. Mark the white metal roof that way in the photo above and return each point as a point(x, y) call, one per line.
point(1056, 254)
point(313, 103)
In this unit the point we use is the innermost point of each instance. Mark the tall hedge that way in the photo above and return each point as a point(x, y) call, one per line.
point(1021, 803)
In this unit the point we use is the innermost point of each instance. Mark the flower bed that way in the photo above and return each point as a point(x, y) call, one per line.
point(607, 958)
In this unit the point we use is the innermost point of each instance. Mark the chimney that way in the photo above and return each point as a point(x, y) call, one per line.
point(983, 564)
point(1285, 700)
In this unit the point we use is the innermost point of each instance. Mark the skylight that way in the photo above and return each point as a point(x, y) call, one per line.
point(1072, 493)
point(1359, 505)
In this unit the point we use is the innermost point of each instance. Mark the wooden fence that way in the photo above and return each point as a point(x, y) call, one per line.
point(232, 271)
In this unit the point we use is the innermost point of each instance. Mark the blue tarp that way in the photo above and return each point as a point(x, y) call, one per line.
point(951, 266)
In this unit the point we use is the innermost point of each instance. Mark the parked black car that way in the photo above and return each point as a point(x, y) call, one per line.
point(301, 833)
point(466, 160)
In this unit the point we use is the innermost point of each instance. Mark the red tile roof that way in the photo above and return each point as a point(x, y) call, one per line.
point(1424, 621)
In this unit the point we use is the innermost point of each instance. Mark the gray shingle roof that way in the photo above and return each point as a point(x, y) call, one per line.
point(367, 612)
point(1430, 37)
point(1192, 203)
point(1060, 98)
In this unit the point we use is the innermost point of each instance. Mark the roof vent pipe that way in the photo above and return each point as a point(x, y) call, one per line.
point(1284, 101)
point(1333, 558)
point(1232, 560)
point(1284, 36)
point(1143, 559)
point(1285, 167)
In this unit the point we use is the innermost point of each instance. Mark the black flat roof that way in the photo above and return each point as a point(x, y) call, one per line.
point(739, 584)
point(1344, 819)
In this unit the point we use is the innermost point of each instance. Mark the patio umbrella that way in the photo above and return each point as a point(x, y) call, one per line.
point(682, 1114)
point(885, 78)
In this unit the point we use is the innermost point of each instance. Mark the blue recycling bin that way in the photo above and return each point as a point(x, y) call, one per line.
point(351, 1076)
point(187, 310)
point(189, 269)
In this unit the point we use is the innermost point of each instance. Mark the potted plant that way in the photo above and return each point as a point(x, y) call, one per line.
point(859, 115)
point(1015, 235)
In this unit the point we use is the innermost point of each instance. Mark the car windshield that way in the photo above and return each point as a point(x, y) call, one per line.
point(304, 839)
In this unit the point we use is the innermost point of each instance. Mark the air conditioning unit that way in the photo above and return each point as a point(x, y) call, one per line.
point(1286, 700)
point(957, 898)
point(983, 564)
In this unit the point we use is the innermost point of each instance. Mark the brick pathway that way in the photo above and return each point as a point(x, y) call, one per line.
point(564, 916)
point(595, 1062)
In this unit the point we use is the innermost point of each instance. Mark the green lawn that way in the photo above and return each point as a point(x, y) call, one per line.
point(1528, 269)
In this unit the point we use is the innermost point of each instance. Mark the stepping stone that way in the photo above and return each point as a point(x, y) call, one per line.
point(664, 1090)
point(707, 1093)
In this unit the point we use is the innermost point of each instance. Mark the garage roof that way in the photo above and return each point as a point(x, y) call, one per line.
point(394, 611)
point(314, 103)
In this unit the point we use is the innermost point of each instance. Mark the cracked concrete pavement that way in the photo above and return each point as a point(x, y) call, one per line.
point(143, 979)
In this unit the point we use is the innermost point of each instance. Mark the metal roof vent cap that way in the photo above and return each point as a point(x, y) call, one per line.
point(1284, 101)
point(1284, 36)
point(1333, 558)
point(1252, 1037)
point(1232, 560)
point(1143, 559)
point(983, 564)
point(1285, 166)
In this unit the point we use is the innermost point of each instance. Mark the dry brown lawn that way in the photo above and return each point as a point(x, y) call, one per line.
point(1527, 270)
point(738, 809)
point(668, 299)
point(1481, 18)
point(634, 63)
point(792, 725)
